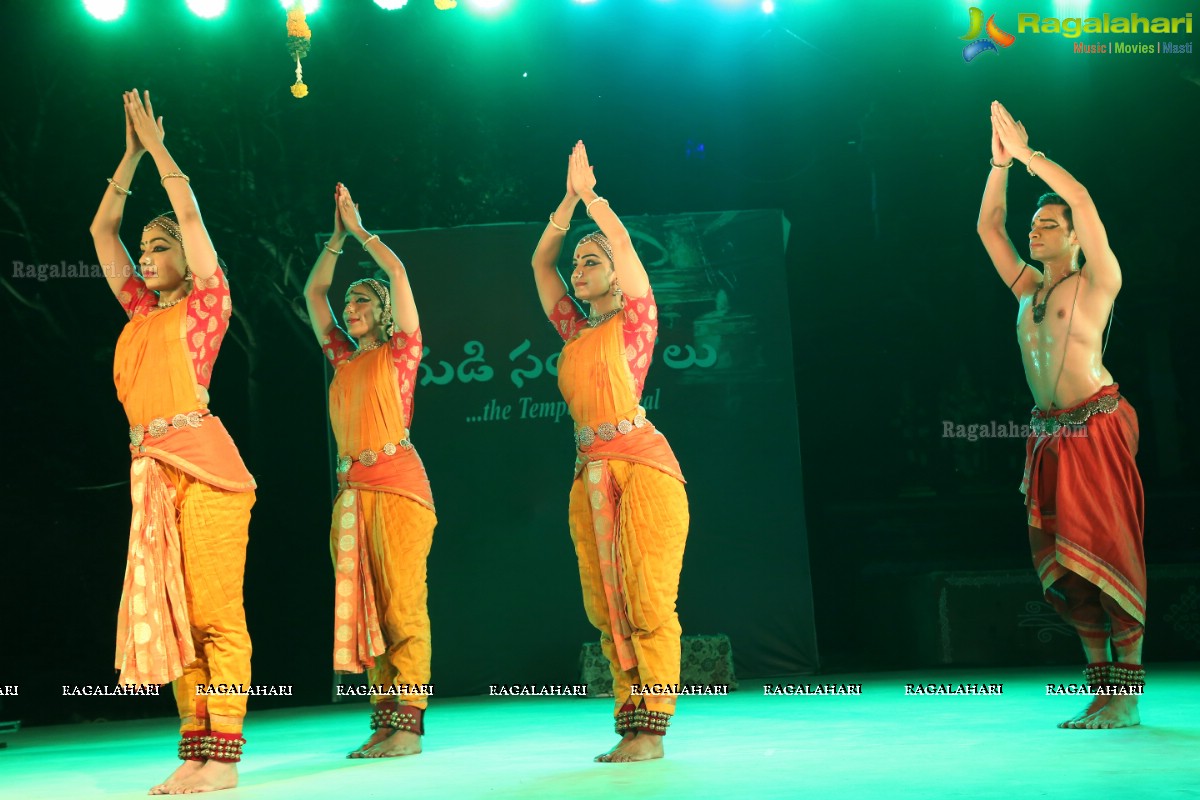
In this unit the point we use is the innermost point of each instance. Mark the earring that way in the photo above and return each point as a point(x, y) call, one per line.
point(616, 289)
point(389, 326)
point(187, 272)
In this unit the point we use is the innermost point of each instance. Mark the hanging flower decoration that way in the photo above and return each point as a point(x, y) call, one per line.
point(444, 5)
point(298, 41)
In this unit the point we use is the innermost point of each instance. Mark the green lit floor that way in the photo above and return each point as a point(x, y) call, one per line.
point(880, 744)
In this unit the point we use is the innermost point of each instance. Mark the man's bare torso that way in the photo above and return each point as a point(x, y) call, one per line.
point(1062, 354)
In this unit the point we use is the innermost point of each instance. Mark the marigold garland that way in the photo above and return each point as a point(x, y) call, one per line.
point(299, 39)
point(298, 42)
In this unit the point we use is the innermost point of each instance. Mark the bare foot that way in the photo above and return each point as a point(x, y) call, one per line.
point(182, 773)
point(1098, 702)
point(378, 736)
point(1106, 711)
point(628, 737)
point(1121, 711)
point(400, 743)
point(212, 777)
point(643, 747)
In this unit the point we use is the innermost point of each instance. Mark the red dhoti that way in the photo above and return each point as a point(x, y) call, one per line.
point(1086, 510)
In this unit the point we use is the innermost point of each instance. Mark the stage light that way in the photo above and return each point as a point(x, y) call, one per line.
point(1070, 9)
point(105, 10)
point(1065, 9)
point(489, 6)
point(768, 6)
point(309, 5)
point(208, 9)
point(391, 5)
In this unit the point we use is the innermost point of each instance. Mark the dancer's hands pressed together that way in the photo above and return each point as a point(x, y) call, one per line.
point(339, 227)
point(106, 225)
point(571, 193)
point(1102, 269)
point(1009, 135)
point(581, 177)
point(142, 131)
point(133, 142)
point(631, 274)
point(1000, 154)
point(198, 249)
point(348, 216)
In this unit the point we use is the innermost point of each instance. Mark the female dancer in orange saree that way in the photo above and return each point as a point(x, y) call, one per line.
point(181, 619)
point(383, 517)
point(628, 511)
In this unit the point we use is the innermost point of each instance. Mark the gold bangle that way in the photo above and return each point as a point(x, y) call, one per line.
point(588, 207)
point(370, 239)
point(119, 187)
point(1032, 156)
point(1001, 166)
point(560, 227)
point(163, 179)
point(335, 252)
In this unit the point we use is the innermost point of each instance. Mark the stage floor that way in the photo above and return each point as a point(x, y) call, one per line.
point(881, 744)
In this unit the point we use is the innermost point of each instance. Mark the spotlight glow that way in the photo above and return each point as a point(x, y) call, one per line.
point(208, 9)
point(1071, 8)
point(391, 5)
point(309, 5)
point(768, 6)
point(105, 10)
point(490, 6)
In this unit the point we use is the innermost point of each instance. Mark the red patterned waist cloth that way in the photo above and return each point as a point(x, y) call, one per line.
point(197, 443)
point(631, 438)
point(395, 467)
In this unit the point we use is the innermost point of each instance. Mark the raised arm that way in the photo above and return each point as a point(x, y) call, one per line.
point(197, 247)
point(106, 226)
point(630, 273)
point(404, 305)
point(316, 288)
point(1101, 268)
point(993, 213)
point(550, 285)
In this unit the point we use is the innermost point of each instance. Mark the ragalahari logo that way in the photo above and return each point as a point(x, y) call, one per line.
point(994, 37)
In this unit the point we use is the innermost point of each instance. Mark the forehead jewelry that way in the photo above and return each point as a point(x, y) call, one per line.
point(167, 224)
point(600, 239)
point(385, 297)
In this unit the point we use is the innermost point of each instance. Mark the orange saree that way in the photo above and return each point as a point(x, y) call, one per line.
point(382, 528)
point(181, 618)
point(628, 510)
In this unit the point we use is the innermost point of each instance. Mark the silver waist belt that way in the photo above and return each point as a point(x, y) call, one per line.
point(1050, 425)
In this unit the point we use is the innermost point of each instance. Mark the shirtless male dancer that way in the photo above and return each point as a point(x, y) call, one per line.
point(1081, 485)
